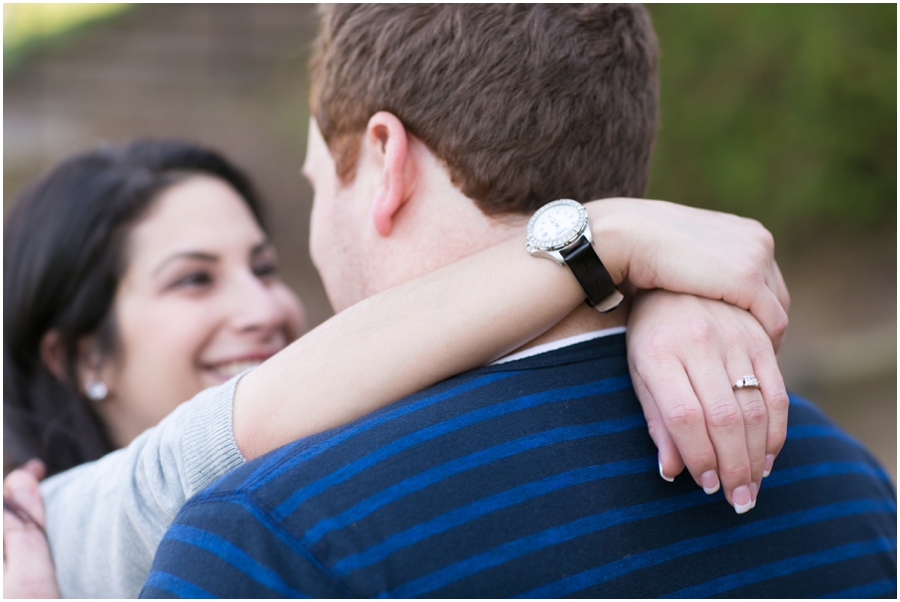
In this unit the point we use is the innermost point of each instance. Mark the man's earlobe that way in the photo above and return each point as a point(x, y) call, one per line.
point(384, 206)
point(388, 141)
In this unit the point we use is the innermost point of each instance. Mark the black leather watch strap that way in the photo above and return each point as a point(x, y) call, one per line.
point(592, 275)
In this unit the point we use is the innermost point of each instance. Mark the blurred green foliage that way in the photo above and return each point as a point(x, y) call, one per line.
point(784, 113)
point(28, 27)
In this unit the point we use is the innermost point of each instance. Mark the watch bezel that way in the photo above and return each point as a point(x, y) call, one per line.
point(560, 243)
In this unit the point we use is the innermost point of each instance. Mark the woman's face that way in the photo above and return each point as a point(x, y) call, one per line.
point(200, 301)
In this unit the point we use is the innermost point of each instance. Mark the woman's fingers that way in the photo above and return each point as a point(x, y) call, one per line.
point(662, 373)
point(670, 462)
point(27, 566)
point(771, 314)
point(764, 408)
point(726, 427)
point(755, 417)
point(759, 289)
point(21, 488)
point(685, 355)
point(784, 298)
point(774, 393)
point(35, 468)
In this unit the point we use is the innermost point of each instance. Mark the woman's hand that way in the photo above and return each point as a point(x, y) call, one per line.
point(27, 566)
point(685, 353)
point(655, 244)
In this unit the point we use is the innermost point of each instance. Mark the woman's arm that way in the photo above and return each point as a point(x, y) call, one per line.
point(477, 309)
point(400, 341)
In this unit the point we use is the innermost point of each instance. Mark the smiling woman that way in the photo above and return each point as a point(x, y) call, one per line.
point(133, 279)
point(200, 302)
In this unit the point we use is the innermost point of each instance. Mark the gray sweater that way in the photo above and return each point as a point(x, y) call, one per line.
point(105, 519)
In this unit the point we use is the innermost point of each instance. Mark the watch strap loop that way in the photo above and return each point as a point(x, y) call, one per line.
point(593, 276)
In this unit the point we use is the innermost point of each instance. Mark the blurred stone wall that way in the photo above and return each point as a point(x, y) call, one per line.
point(234, 77)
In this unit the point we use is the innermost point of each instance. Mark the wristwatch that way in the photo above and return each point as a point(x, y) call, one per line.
point(560, 231)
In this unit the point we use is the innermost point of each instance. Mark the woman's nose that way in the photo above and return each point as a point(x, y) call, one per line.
point(256, 307)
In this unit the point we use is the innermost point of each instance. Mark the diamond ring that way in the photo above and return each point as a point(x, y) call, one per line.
point(746, 381)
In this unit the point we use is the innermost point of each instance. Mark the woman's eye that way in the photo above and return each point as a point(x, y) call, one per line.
point(196, 279)
point(265, 270)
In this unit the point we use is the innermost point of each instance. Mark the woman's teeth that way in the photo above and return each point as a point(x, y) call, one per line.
point(232, 369)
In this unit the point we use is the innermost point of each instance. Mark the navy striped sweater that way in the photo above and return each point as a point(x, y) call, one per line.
point(535, 478)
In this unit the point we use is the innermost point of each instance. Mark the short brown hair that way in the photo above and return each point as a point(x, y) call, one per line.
point(523, 103)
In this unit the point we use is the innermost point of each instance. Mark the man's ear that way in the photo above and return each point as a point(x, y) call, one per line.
point(387, 140)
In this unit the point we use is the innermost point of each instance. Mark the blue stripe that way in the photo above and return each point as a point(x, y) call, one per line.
point(806, 431)
point(805, 472)
point(590, 524)
point(234, 556)
point(536, 541)
point(262, 475)
point(869, 590)
point(786, 567)
point(176, 586)
point(796, 400)
point(499, 501)
point(442, 428)
point(473, 460)
point(275, 529)
point(802, 431)
point(621, 567)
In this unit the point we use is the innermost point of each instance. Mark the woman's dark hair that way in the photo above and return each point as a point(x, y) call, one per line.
point(64, 252)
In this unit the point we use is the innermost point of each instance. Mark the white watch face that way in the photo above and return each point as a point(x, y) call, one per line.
point(556, 224)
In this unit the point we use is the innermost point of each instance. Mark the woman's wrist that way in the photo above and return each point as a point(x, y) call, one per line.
point(612, 237)
point(655, 244)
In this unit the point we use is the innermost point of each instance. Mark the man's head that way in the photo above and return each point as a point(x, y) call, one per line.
point(516, 104)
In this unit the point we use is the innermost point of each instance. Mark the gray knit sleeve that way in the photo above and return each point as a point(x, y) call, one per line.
point(105, 519)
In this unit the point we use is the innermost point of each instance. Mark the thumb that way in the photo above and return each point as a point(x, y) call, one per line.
point(35, 468)
point(21, 486)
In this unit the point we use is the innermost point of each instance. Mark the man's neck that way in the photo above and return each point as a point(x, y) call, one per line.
point(582, 319)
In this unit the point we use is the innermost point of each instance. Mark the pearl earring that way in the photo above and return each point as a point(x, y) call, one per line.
point(96, 390)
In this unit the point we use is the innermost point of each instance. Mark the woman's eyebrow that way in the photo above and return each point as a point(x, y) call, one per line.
point(260, 247)
point(185, 255)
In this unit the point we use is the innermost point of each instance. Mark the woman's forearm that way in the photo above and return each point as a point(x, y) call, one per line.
point(400, 341)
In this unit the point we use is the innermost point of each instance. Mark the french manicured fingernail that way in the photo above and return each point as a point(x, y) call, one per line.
point(663, 475)
point(709, 480)
point(741, 499)
point(754, 491)
point(770, 461)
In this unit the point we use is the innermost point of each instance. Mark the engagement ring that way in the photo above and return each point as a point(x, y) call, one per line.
point(746, 381)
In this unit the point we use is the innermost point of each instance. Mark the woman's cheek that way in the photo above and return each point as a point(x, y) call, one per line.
point(294, 312)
